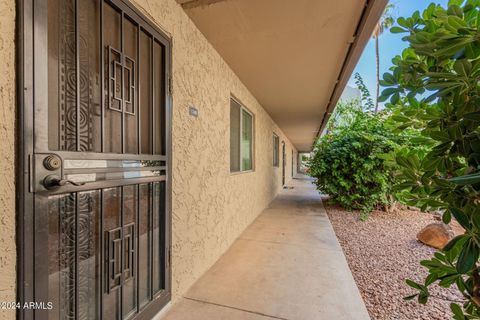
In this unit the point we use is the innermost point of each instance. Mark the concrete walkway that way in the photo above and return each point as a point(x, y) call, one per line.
point(287, 264)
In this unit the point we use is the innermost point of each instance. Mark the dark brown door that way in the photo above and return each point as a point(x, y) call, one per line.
point(292, 164)
point(284, 162)
point(98, 146)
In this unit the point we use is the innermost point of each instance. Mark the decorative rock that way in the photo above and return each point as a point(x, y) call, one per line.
point(384, 249)
point(435, 235)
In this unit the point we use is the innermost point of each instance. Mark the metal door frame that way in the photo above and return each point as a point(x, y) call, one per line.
point(284, 163)
point(292, 162)
point(26, 29)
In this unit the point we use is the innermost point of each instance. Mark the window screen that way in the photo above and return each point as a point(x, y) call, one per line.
point(276, 148)
point(234, 136)
point(241, 138)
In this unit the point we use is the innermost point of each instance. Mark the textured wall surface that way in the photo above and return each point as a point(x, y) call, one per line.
point(210, 206)
point(7, 155)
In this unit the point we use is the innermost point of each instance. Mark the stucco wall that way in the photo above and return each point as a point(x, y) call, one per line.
point(7, 155)
point(210, 206)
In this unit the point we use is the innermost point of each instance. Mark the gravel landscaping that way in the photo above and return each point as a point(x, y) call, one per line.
point(382, 252)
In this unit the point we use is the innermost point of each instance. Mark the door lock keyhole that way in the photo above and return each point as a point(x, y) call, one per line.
point(52, 162)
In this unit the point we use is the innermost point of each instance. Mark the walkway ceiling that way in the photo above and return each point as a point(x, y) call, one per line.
point(295, 56)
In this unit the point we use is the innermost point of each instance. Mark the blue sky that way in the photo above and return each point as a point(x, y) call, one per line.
point(390, 44)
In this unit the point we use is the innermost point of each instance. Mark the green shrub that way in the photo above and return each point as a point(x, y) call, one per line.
point(434, 87)
point(349, 162)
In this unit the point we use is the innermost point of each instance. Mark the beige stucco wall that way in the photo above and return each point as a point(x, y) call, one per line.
point(7, 155)
point(211, 207)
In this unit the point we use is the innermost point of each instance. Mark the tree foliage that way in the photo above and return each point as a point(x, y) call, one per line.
point(347, 161)
point(367, 101)
point(385, 22)
point(433, 88)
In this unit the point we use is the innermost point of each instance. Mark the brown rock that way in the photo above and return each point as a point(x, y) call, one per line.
point(435, 235)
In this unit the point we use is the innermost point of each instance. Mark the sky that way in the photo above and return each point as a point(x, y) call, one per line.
point(390, 44)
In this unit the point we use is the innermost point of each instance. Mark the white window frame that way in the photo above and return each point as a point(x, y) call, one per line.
point(243, 108)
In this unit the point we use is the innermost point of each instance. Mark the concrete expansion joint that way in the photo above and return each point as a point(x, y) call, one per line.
point(235, 308)
point(286, 243)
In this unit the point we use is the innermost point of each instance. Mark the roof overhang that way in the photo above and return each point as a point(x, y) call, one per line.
point(295, 56)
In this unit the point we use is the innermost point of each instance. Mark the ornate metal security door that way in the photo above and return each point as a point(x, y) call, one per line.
point(97, 149)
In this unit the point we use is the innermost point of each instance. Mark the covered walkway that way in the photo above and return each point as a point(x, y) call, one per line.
point(288, 265)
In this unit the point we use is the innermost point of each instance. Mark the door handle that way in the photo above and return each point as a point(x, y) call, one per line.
point(52, 182)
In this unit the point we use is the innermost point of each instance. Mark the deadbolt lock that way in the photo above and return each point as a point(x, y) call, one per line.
point(52, 162)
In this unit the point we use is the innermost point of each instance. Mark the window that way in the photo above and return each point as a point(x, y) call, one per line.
point(241, 138)
point(276, 150)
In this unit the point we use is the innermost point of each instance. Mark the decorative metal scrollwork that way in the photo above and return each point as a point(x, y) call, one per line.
point(67, 207)
point(114, 250)
point(73, 119)
point(76, 249)
point(120, 247)
point(129, 250)
point(121, 82)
